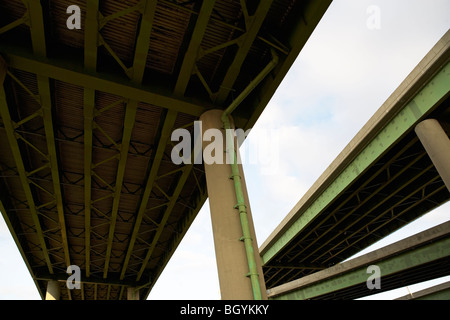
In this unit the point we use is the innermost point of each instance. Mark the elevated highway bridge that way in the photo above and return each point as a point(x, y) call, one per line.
point(86, 117)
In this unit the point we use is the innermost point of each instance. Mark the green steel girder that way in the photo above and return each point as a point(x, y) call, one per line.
point(273, 44)
point(253, 25)
point(16, 23)
point(313, 13)
point(104, 20)
point(194, 47)
point(74, 73)
point(424, 101)
point(403, 201)
point(165, 135)
point(127, 131)
point(37, 29)
point(44, 90)
point(147, 8)
point(169, 122)
point(143, 40)
point(140, 59)
point(406, 202)
point(90, 61)
point(9, 127)
point(39, 48)
point(360, 204)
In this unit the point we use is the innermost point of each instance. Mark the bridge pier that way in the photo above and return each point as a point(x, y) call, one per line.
point(132, 293)
point(53, 290)
point(437, 144)
point(231, 256)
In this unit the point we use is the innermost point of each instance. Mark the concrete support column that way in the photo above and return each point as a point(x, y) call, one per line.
point(132, 294)
point(231, 257)
point(437, 144)
point(53, 290)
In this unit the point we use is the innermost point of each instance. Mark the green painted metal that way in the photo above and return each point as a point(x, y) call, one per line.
point(253, 25)
point(233, 26)
point(45, 93)
point(421, 104)
point(15, 23)
point(73, 73)
point(194, 47)
point(242, 207)
point(397, 263)
point(39, 48)
point(143, 40)
point(313, 11)
point(37, 28)
point(168, 125)
point(130, 116)
point(140, 60)
point(88, 111)
point(236, 176)
point(165, 135)
point(252, 85)
point(169, 122)
point(9, 127)
point(138, 7)
point(90, 61)
point(366, 213)
point(173, 200)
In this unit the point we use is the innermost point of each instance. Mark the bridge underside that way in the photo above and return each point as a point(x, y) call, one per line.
point(86, 176)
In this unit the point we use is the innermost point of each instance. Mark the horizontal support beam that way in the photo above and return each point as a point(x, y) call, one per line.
point(15, 150)
point(420, 249)
point(180, 185)
point(74, 73)
point(62, 277)
point(244, 48)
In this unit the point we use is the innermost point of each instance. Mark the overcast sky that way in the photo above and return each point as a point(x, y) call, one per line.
point(346, 71)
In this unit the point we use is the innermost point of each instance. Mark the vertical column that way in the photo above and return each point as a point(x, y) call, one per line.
point(53, 290)
point(232, 264)
point(437, 144)
point(132, 294)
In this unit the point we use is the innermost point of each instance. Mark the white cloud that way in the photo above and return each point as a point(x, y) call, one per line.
point(15, 280)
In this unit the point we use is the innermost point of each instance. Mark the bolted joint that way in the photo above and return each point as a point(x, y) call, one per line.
point(252, 274)
point(243, 238)
point(237, 206)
